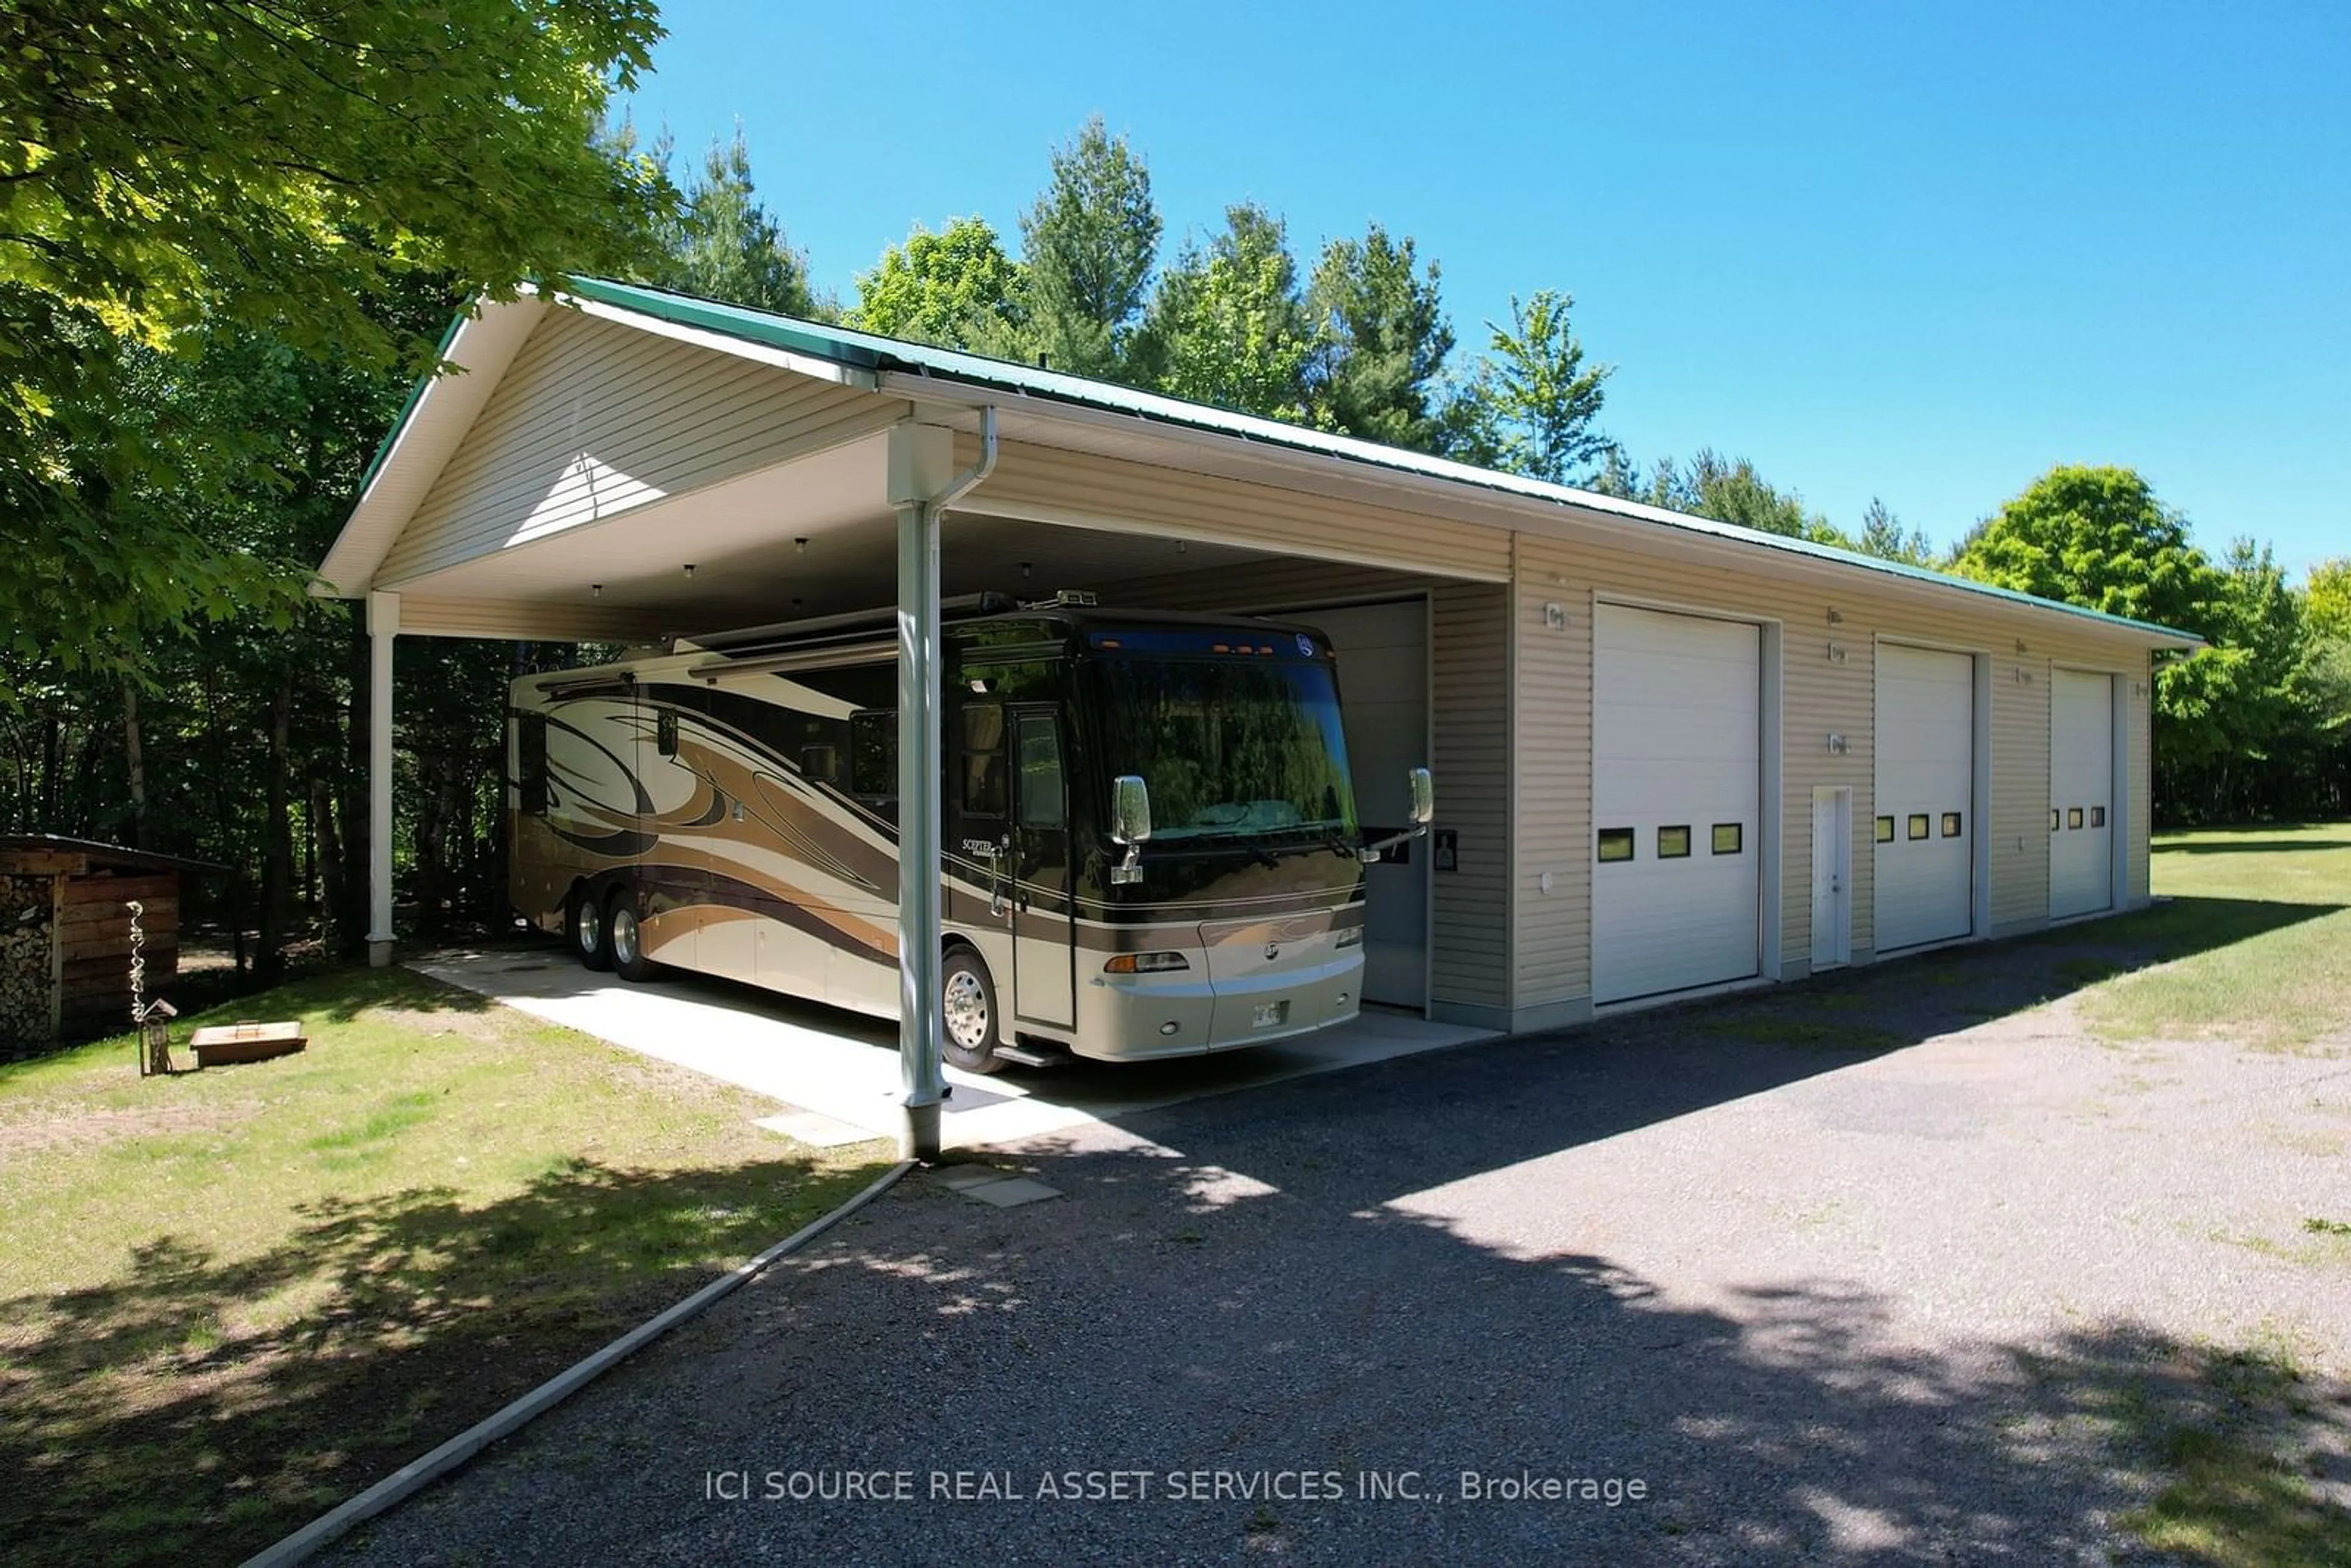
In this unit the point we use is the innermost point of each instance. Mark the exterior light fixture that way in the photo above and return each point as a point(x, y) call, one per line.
point(595, 591)
point(689, 571)
point(799, 545)
point(1555, 615)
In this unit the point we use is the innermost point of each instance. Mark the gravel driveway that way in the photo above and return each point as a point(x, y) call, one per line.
point(1893, 1266)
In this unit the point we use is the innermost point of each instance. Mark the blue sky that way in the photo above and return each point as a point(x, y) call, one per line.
point(1920, 253)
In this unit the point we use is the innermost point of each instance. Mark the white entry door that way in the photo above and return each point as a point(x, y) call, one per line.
point(2081, 793)
point(1924, 867)
point(1676, 793)
point(1832, 878)
point(1384, 704)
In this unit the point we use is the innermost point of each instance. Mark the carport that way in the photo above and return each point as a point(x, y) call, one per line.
point(623, 465)
point(1673, 754)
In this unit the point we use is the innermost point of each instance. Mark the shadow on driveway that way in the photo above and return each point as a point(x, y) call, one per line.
point(1301, 1316)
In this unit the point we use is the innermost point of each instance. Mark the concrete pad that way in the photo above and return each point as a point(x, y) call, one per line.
point(1012, 1192)
point(842, 1067)
point(817, 1131)
point(960, 1178)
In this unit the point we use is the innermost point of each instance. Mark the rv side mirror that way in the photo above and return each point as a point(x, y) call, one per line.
point(1424, 796)
point(1130, 824)
point(1130, 809)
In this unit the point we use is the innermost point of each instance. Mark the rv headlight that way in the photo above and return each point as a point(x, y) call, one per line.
point(1351, 936)
point(1146, 963)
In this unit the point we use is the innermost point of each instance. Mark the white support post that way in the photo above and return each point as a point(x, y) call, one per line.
point(923, 484)
point(384, 626)
point(919, 768)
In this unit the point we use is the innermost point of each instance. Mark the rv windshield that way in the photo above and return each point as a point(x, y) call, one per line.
point(1228, 746)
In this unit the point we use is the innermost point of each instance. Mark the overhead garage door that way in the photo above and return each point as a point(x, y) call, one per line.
point(1925, 828)
point(1676, 769)
point(1383, 695)
point(2081, 793)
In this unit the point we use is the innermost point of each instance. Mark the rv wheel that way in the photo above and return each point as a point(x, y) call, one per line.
point(626, 940)
point(968, 1011)
point(591, 942)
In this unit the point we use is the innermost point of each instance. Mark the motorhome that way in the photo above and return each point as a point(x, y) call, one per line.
point(1148, 832)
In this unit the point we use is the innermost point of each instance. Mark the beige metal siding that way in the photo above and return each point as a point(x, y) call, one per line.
point(1828, 688)
point(1470, 941)
point(1551, 780)
point(1080, 490)
point(593, 420)
point(2020, 790)
point(2139, 694)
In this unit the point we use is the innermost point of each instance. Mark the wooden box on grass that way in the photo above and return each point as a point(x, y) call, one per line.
point(220, 1044)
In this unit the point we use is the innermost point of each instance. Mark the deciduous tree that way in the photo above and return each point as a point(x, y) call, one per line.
point(956, 288)
point(1227, 326)
point(2096, 537)
point(1528, 403)
point(276, 166)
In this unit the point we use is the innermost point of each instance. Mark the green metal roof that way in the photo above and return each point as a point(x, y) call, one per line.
point(866, 350)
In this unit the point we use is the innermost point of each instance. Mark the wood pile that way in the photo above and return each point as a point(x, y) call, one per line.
point(27, 924)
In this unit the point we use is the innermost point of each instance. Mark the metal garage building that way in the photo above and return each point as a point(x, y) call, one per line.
point(1671, 754)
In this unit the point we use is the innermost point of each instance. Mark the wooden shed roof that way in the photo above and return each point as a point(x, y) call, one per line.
point(53, 853)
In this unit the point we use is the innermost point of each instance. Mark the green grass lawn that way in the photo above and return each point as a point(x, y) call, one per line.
point(230, 1299)
point(2254, 946)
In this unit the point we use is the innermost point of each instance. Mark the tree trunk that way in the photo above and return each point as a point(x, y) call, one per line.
point(331, 871)
point(47, 820)
point(134, 755)
point(427, 837)
point(277, 841)
point(350, 904)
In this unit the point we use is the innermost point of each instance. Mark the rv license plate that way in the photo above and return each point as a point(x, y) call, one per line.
point(1270, 1015)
